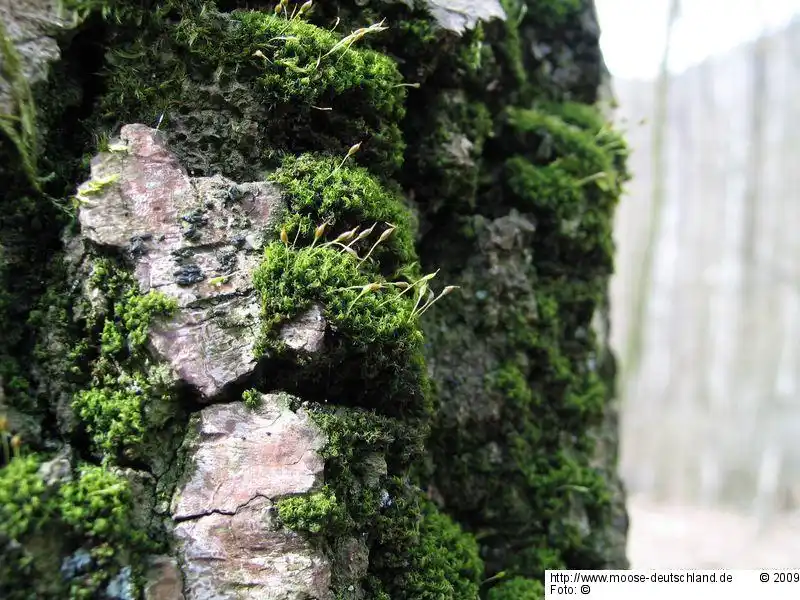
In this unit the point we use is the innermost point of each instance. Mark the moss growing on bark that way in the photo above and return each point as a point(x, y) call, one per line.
point(521, 436)
point(445, 563)
point(375, 360)
point(515, 188)
point(322, 189)
point(89, 515)
point(128, 393)
point(240, 90)
point(517, 589)
point(313, 513)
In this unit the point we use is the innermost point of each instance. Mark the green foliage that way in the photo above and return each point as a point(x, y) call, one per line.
point(304, 62)
point(517, 588)
point(99, 504)
point(22, 508)
point(353, 433)
point(318, 191)
point(532, 486)
point(419, 552)
point(376, 328)
point(113, 413)
point(94, 509)
point(280, 86)
point(571, 172)
point(251, 399)
point(136, 310)
point(355, 439)
point(585, 117)
point(445, 565)
point(113, 408)
point(575, 149)
point(511, 47)
point(290, 280)
point(552, 188)
point(312, 513)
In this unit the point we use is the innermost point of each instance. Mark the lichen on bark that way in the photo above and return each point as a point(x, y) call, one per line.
point(414, 148)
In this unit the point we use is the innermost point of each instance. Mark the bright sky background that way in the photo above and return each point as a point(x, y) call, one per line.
point(634, 30)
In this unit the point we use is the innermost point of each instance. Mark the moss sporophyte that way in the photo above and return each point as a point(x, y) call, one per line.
point(368, 309)
point(330, 118)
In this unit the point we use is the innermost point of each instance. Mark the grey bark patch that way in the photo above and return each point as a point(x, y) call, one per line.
point(460, 15)
point(141, 201)
point(228, 535)
point(307, 332)
point(57, 470)
point(241, 453)
point(31, 25)
point(163, 579)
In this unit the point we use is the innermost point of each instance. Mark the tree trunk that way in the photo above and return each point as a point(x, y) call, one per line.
point(635, 348)
point(316, 269)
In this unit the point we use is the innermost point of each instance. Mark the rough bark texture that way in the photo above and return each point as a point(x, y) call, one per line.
point(305, 301)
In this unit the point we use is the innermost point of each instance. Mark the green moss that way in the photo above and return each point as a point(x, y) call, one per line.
point(586, 117)
point(445, 565)
point(22, 299)
point(318, 191)
point(354, 433)
point(575, 148)
point(312, 513)
point(572, 175)
point(520, 433)
point(34, 213)
point(114, 413)
point(113, 409)
point(96, 186)
point(251, 398)
point(416, 552)
point(361, 500)
point(522, 52)
point(25, 507)
point(289, 280)
point(362, 447)
point(517, 589)
point(552, 188)
point(511, 47)
point(131, 321)
point(99, 505)
point(413, 39)
point(21, 492)
point(279, 86)
point(377, 333)
point(322, 64)
point(94, 510)
point(129, 11)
